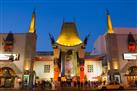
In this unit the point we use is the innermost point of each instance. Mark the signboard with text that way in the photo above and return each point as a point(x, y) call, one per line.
point(130, 56)
point(11, 57)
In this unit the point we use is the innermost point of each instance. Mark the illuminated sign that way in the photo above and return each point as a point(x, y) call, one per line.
point(26, 80)
point(130, 56)
point(11, 57)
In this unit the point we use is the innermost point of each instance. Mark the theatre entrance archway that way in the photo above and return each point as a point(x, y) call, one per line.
point(7, 77)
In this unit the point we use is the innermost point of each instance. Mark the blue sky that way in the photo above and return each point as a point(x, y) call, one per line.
point(89, 16)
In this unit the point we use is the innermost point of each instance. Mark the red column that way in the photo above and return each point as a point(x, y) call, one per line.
point(81, 73)
point(56, 68)
point(81, 57)
point(56, 72)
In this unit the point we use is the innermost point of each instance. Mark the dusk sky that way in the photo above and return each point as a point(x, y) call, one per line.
point(89, 16)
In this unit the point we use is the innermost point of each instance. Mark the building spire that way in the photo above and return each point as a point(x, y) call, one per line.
point(109, 24)
point(32, 24)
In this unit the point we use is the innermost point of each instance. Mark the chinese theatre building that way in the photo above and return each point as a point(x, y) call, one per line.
point(69, 53)
point(68, 59)
point(16, 53)
point(119, 46)
point(21, 65)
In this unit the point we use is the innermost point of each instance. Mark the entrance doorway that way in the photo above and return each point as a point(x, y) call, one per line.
point(132, 76)
point(7, 77)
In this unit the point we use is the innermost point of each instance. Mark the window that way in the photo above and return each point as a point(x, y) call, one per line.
point(90, 68)
point(46, 68)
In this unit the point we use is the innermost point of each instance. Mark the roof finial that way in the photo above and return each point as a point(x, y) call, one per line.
point(107, 12)
point(109, 24)
point(32, 24)
point(51, 38)
point(34, 10)
point(86, 38)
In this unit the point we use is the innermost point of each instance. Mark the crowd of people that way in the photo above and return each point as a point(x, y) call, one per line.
point(68, 83)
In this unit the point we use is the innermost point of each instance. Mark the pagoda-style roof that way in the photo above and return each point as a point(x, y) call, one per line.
point(69, 35)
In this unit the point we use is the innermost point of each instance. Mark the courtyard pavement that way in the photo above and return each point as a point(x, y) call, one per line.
point(64, 89)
